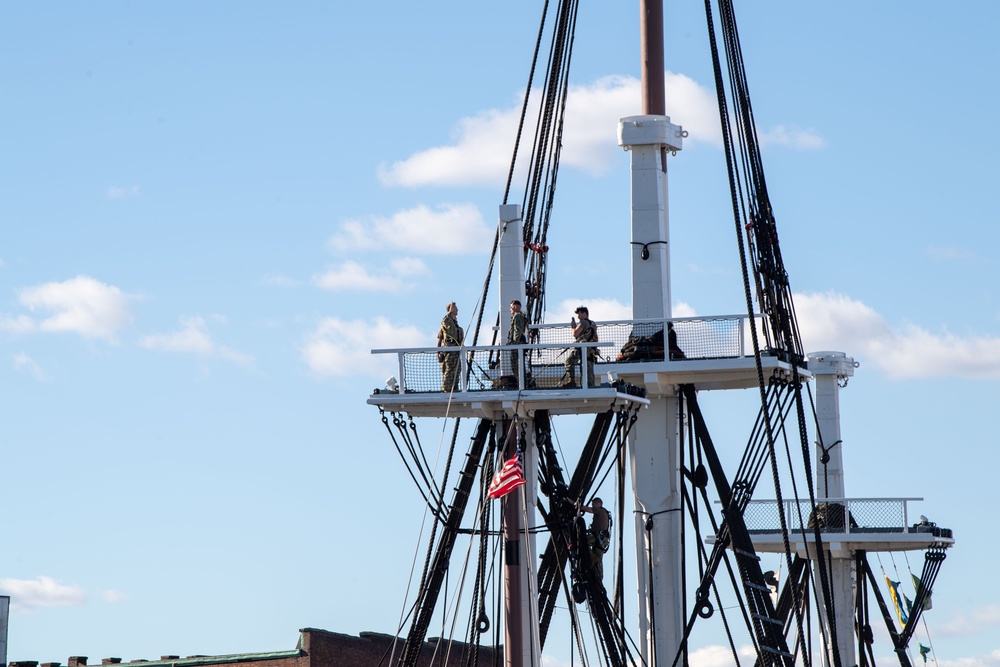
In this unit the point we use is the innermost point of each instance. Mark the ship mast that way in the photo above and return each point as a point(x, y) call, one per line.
point(654, 449)
point(515, 386)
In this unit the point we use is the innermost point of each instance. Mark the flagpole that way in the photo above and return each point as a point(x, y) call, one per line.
point(512, 565)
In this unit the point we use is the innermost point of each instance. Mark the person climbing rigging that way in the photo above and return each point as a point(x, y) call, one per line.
point(584, 331)
point(598, 535)
point(450, 334)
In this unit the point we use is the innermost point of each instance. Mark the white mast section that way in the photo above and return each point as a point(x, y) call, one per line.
point(829, 369)
point(654, 449)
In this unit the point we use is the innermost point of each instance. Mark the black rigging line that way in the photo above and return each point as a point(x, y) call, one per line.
point(436, 506)
point(772, 643)
point(545, 157)
point(753, 214)
point(898, 645)
point(437, 565)
point(933, 559)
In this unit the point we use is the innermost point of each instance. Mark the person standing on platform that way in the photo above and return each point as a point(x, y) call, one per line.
point(517, 334)
point(584, 331)
point(450, 335)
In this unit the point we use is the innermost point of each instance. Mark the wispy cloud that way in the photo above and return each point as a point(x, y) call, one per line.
point(121, 192)
point(17, 324)
point(80, 305)
point(192, 338)
point(275, 280)
point(30, 594)
point(478, 153)
point(792, 137)
point(837, 322)
point(949, 254)
point(452, 229)
point(343, 348)
point(114, 596)
point(972, 621)
point(991, 659)
point(23, 362)
point(353, 276)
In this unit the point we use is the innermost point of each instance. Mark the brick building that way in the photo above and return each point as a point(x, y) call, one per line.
point(315, 648)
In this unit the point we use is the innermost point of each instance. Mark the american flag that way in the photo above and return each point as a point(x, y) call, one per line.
point(509, 478)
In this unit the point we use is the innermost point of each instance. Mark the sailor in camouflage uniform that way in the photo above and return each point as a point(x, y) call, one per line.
point(450, 335)
point(583, 332)
point(517, 333)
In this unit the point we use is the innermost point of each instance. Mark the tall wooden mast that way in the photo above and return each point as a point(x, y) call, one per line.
point(651, 30)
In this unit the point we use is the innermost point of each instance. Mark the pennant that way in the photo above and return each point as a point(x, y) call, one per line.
point(894, 593)
point(916, 586)
point(924, 650)
point(509, 478)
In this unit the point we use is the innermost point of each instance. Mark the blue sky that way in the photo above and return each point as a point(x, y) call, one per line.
point(210, 213)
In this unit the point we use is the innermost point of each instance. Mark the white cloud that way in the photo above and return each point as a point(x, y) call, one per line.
point(837, 322)
point(343, 348)
point(601, 310)
point(481, 145)
point(353, 276)
point(30, 594)
point(480, 154)
point(721, 656)
point(81, 305)
point(192, 338)
point(26, 363)
point(120, 192)
point(408, 266)
point(453, 229)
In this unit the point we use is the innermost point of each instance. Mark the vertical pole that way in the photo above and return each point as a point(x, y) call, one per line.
point(520, 595)
point(511, 252)
point(654, 450)
point(512, 562)
point(651, 28)
point(521, 645)
point(828, 368)
point(654, 446)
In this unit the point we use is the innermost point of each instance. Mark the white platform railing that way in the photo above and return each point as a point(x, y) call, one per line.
point(862, 515)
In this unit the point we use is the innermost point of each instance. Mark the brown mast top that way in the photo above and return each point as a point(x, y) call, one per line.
point(651, 28)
